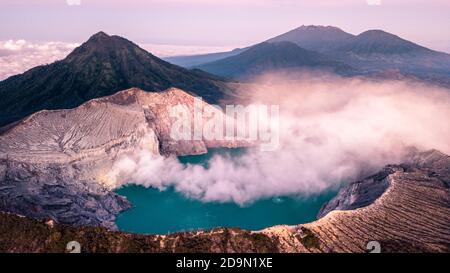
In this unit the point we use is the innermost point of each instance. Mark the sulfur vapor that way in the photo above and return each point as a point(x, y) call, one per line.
point(332, 130)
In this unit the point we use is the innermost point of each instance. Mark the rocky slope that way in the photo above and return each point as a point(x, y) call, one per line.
point(54, 164)
point(411, 215)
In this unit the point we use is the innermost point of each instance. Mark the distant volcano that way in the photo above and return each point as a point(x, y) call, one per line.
point(372, 53)
point(272, 57)
point(378, 41)
point(316, 38)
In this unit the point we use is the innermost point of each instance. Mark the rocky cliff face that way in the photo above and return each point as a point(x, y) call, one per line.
point(53, 164)
point(359, 194)
point(363, 193)
point(411, 215)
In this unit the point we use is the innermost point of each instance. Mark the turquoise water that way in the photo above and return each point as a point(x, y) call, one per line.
point(169, 211)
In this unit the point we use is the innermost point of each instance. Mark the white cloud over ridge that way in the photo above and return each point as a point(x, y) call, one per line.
point(17, 56)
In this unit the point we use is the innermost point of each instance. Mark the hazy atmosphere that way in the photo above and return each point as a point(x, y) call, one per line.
point(225, 126)
point(219, 23)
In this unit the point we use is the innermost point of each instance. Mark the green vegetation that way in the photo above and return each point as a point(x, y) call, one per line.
point(21, 234)
point(309, 239)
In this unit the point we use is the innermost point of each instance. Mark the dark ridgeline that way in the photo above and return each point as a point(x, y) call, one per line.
point(195, 60)
point(100, 67)
point(378, 41)
point(316, 38)
point(384, 55)
point(270, 57)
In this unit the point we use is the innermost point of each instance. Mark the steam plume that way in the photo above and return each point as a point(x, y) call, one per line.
point(332, 130)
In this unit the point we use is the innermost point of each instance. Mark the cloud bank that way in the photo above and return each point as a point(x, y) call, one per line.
point(332, 130)
point(17, 56)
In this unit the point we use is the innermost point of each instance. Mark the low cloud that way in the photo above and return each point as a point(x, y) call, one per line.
point(17, 56)
point(332, 130)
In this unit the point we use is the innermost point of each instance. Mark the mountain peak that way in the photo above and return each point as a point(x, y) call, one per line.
point(314, 37)
point(379, 41)
point(378, 34)
point(103, 46)
point(99, 34)
point(318, 28)
point(99, 37)
point(102, 38)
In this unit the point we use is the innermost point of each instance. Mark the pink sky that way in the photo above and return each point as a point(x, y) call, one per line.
point(220, 22)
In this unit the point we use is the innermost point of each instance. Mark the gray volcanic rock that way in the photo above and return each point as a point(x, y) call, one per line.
point(51, 192)
point(412, 215)
point(54, 164)
point(360, 193)
point(363, 193)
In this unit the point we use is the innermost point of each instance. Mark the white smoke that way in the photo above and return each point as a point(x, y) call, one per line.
point(332, 130)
